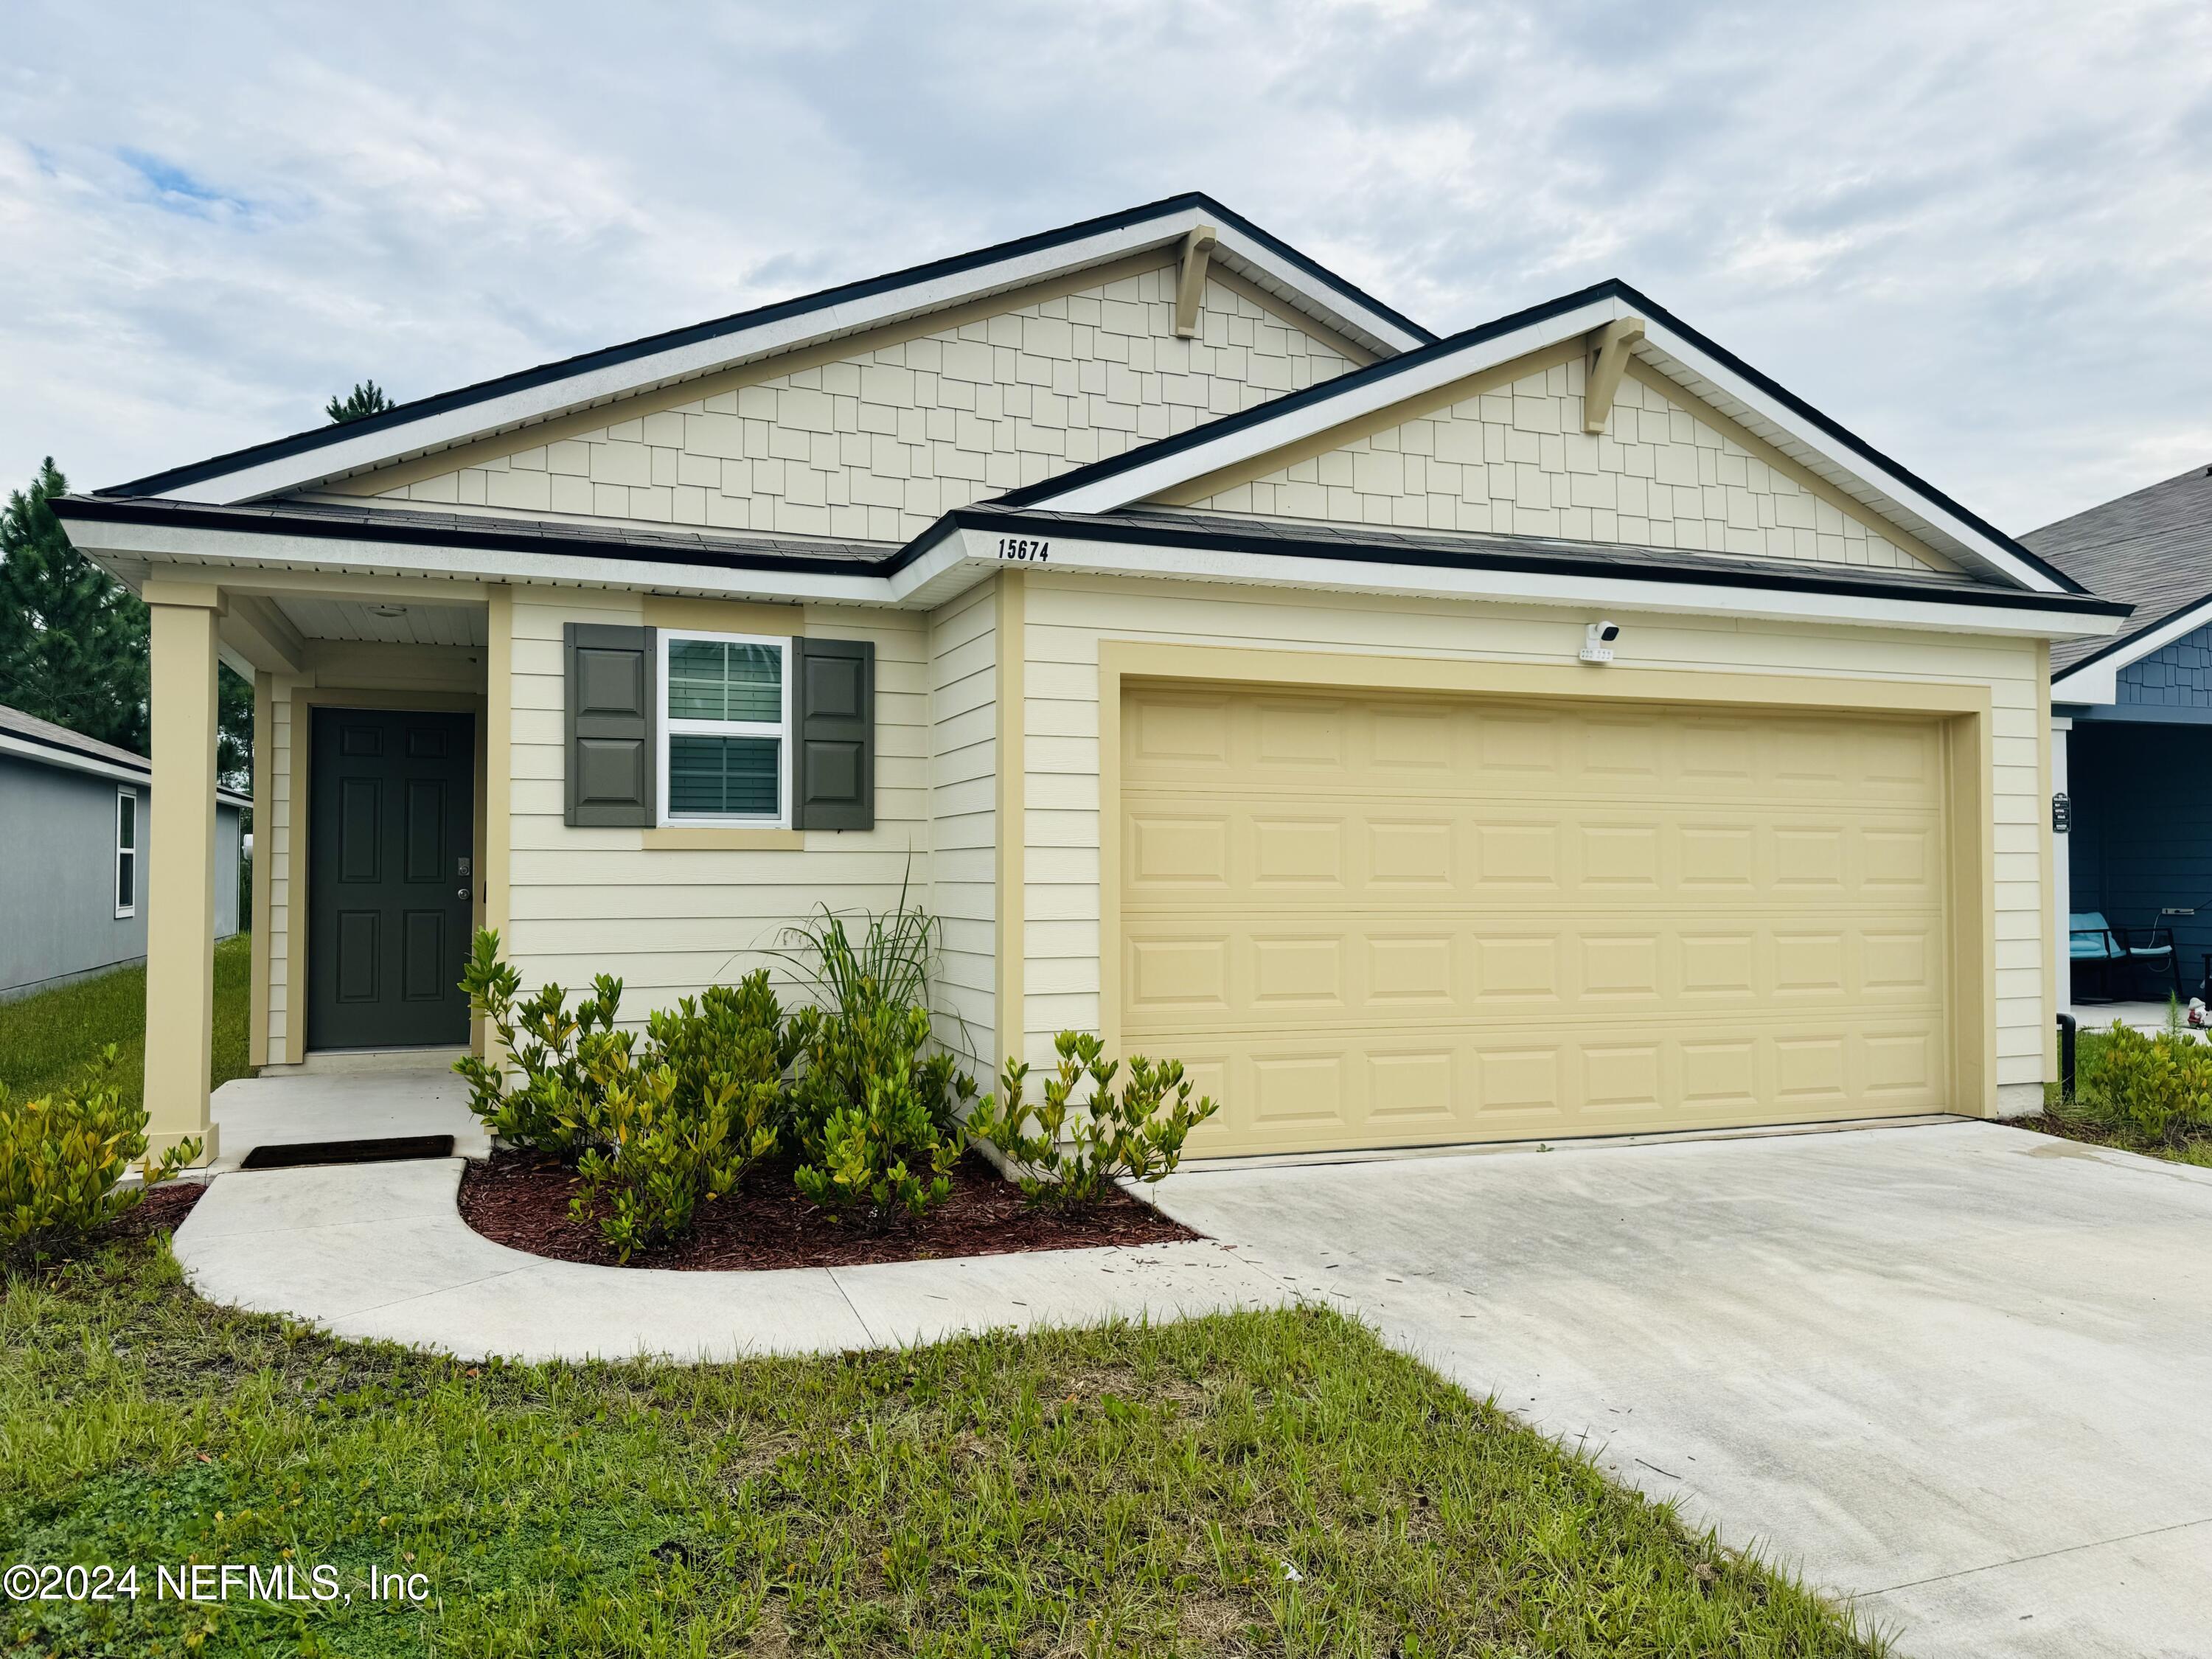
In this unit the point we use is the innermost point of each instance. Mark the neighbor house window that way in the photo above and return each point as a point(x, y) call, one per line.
point(725, 729)
point(126, 852)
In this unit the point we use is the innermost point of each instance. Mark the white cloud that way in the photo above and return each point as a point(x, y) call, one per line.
point(1975, 233)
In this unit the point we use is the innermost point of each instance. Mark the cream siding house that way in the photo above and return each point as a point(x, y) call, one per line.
point(1218, 654)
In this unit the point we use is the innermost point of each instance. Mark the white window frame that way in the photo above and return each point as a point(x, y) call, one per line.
point(780, 730)
point(124, 912)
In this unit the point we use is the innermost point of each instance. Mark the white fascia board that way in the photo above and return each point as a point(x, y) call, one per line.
point(231, 554)
point(1999, 559)
point(70, 761)
point(1341, 310)
point(529, 403)
point(1142, 482)
point(1624, 592)
point(2098, 682)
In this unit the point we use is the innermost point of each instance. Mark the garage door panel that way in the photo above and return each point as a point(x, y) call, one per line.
point(1378, 921)
point(1319, 851)
point(1459, 966)
point(1326, 1090)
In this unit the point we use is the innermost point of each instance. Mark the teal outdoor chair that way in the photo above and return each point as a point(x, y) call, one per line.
point(2093, 940)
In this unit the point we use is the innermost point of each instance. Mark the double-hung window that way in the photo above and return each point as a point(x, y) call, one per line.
point(126, 852)
point(725, 729)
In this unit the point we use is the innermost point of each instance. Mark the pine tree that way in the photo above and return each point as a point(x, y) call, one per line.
point(72, 639)
point(367, 399)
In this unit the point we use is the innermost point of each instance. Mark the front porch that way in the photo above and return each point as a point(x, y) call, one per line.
point(345, 1097)
point(373, 718)
point(2138, 854)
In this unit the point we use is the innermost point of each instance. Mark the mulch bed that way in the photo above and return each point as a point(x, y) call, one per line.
point(164, 1206)
point(520, 1200)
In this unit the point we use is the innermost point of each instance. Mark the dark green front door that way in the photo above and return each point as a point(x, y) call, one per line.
point(389, 878)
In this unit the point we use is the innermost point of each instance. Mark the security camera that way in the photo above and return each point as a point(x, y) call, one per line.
point(1597, 641)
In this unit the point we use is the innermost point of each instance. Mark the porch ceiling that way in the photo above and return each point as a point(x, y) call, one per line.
point(382, 622)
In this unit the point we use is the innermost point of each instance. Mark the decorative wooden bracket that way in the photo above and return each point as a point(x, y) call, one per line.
point(1608, 357)
point(1190, 285)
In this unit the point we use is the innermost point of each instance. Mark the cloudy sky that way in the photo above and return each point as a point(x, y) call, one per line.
point(1980, 235)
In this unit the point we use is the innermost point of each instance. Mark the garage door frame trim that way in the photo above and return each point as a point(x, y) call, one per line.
point(1963, 711)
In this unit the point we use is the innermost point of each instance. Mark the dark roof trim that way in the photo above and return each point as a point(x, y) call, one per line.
point(1492, 556)
point(391, 527)
point(2120, 643)
point(586, 363)
point(1612, 287)
point(495, 536)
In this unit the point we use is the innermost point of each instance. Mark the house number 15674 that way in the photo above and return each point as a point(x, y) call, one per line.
point(1021, 547)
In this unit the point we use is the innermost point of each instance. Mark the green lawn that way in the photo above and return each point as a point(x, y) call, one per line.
point(1129, 1490)
point(46, 1040)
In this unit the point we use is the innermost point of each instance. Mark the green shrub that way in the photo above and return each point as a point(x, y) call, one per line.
point(874, 1115)
point(656, 1128)
point(662, 1149)
point(1076, 1149)
point(62, 1154)
point(2155, 1089)
point(546, 1041)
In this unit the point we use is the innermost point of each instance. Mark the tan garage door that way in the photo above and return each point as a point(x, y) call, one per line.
point(1371, 921)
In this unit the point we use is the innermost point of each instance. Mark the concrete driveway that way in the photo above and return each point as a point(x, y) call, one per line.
point(1960, 1374)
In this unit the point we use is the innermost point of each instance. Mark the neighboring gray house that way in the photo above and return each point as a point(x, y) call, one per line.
point(2131, 728)
point(74, 823)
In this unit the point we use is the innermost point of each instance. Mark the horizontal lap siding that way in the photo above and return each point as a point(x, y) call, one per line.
point(963, 770)
point(670, 922)
point(1067, 616)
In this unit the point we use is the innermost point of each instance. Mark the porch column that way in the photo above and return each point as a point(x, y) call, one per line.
point(180, 864)
point(2062, 869)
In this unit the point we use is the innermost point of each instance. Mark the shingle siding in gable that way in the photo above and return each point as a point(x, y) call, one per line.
point(1515, 460)
point(2179, 675)
point(879, 445)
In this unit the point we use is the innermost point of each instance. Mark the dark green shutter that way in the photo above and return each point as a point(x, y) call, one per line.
point(610, 674)
point(833, 718)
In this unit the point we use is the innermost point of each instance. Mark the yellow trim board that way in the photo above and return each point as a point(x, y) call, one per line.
point(2054, 904)
point(1009, 689)
point(1964, 710)
point(722, 838)
point(264, 744)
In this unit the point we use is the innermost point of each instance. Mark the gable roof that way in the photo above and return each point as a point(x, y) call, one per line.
point(512, 400)
point(2151, 548)
point(1703, 368)
point(29, 738)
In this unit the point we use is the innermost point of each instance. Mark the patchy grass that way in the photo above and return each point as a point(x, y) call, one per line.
point(1271, 1482)
point(47, 1039)
point(2092, 1118)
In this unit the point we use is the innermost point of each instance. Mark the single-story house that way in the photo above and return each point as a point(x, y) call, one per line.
point(76, 818)
point(1553, 728)
point(2129, 711)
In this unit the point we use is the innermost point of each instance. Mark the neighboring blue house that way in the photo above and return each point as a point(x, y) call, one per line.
point(2131, 719)
point(73, 821)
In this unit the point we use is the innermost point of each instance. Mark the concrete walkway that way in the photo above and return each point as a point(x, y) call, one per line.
point(1960, 1374)
point(379, 1251)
